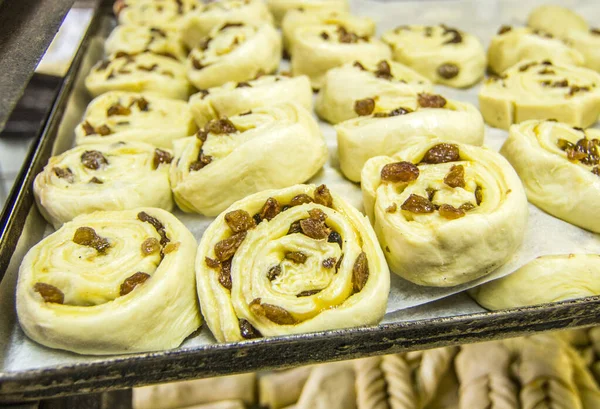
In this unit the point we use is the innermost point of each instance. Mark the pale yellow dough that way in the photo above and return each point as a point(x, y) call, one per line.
point(336, 305)
point(254, 158)
point(587, 43)
point(149, 73)
point(279, 8)
point(235, 98)
point(429, 249)
point(537, 90)
point(427, 49)
point(95, 318)
point(556, 20)
point(121, 183)
point(362, 138)
point(134, 39)
point(159, 123)
point(165, 14)
point(234, 53)
point(356, 81)
point(565, 188)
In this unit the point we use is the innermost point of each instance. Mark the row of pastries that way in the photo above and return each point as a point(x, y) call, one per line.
point(283, 257)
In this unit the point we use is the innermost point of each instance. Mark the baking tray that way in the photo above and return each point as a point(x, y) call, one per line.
point(29, 371)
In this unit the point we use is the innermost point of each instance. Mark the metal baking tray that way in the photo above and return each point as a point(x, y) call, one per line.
point(29, 371)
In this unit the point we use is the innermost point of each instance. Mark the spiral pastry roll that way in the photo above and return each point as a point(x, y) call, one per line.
point(289, 261)
point(558, 21)
point(147, 72)
point(246, 154)
point(164, 14)
point(126, 116)
point(279, 8)
point(386, 130)
point(234, 52)
point(111, 283)
point(444, 55)
point(541, 90)
point(234, 98)
point(103, 177)
point(198, 24)
point(317, 49)
point(560, 169)
point(445, 213)
point(513, 45)
point(588, 44)
point(383, 82)
point(132, 39)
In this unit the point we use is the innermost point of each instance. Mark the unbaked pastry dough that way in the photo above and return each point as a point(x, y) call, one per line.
point(370, 384)
point(116, 176)
point(134, 39)
point(111, 283)
point(541, 90)
point(166, 14)
point(399, 378)
point(312, 263)
point(405, 122)
point(384, 81)
point(283, 388)
point(560, 169)
point(329, 386)
point(443, 54)
point(279, 8)
point(234, 52)
point(118, 116)
point(236, 157)
point(445, 213)
point(588, 44)
point(147, 72)
point(235, 98)
point(559, 21)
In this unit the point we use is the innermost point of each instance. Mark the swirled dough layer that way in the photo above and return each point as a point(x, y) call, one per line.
point(233, 158)
point(444, 55)
point(235, 98)
point(234, 52)
point(147, 72)
point(384, 81)
point(319, 48)
point(541, 90)
point(111, 283)
point(127, 117)
point(165, 14)
point(280, 8)
point(556, 20)
point(588, 44)
point(445, 214)
point(135, 39)
point(560, 169)
point(408, 122)
point(88, 178)
point(290, 261)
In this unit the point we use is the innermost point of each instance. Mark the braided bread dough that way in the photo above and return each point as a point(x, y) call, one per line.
point(134, 39)
point(280, 389)
point(558, 21)
point(433, 368)
point(329, 386)
point(164, 14)
point(280, 8)
point(398, 376)
point(370, 384)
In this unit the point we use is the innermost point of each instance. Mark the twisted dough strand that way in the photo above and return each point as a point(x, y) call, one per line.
point(370, 384)
point(434, 366)
point(398, 376)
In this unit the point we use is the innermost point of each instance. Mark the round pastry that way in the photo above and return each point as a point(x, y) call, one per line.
point(279, 8)
point(111, 283)
point(290, 261)
point(546, 279)
point(385, 131)
point(560, 169)
point(541, 90)
point(384, 81)
point(134, 39)
point(556, 20)
point(362, 26)
point(588, 44)
point(103, 177)
point(147, 72)
point(165, 14)
point(126, 116)
point(199, 23)
point(513, 45)
point(445, 213)
point(444, 55)
point(235, 98)
point(317, 49)
point(234, 52)
point(232, 158)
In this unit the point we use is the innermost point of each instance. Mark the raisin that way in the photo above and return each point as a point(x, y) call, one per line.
point(448, 70)
point(243, 85)
point(118, 109)
point(295, 228)
point(96, 180)
point(257, 219)
point(587, 151)
point(383, 70)
point(450, 212)
point(103, 130)
point(225, 249)
point(392, 208)
point(335, 237)
point(131, 282)
point(431, 101)
point(428, 31)
point(274, 272)
point(317, 214)
point(204, 93)
point(595, 31)
point(467, 206)
point(575, 89)
point(364, 107)
point(546, 71)
point(300, 200)
point(225, 274)
point(395, 112)
point(323, 196)
point(148, 69)
point(456, 36)
point(149, 246)
point(478, 195)
point(64, 173)
point(201, 162)
point(564, 145)
point(247, 330)
point(88, 129)
point(221, 126)
point(212, 263)
point(161, 156)
point(345, 36)
point(86, 236)
point(359, 66)
point(197, 64)
point(504, 29)
point(324, 35)
point(49, 293)
point(270, 209)
point(297, 257)
point(596, 171)
point(272, 312)
point(103, 65)
point(441, 153)
point(158, 226)
point(360, 272)
point(430, 193)
point(556, 84)
point(93, 160)
point(399, 172)
point(171, 247)
point(239, 220)
point(456, 176)
point(315, 229)
point(417, 204)
point(227, 25)
point(308, 293)
point(142, 104)
point(329, 263)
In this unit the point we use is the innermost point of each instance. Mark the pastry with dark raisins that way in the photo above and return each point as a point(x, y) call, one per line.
point(134, 39)
point(164, 15)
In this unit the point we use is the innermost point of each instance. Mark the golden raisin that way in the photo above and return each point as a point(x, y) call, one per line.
point(171, 247)
point(274, 272)
point(392, 208)
point(317, 214)
point(467, 206)
point(417, 204)
point(64, 173)
point(117, 109)
point(270, 209)
point(450, 212)
point(383, 70)
point(86, 236)
point(364, 107)
point(272, 312)
point(448, 70)
point(103, 130)
point(456, 176)
point(300, 199)
point(93, 160)
point(225, 249)
point(88, 129)
point(504, 29)
point(399, 172)
point(329, 262)
point(307, 293)
point(161, 156)
point(431, 101)
point(360, 272)
point(212, 263)
point(150, 245)
point(297, 257)
point(314, 228)
point(131, 282)
point(247, 330)
point(441, 153)
point(225, 274)
point(323, 196)
point(239, 220)
point(49, 293)
point(478, 195)
point(220, 126)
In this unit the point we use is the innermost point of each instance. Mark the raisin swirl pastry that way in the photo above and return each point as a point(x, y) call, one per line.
point(381, 130)
point(290, 261)
point(110, 283)
point(560, 169)
point(134, 39)
point(445, 213)
point(234, 98)
point(103, 177)
point(513, 45)
point(444, 55)
point(541, 90)
point(280, 8)
point(164, 14)
point(234, 52)
point(147, 72)
point(246, 153)
point(319, 48)
point(384, 81)
point(558, 21)
point(126, 116)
